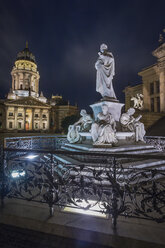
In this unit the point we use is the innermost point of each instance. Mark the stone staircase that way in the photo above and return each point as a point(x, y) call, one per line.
point(125, 149)
point(104, 154)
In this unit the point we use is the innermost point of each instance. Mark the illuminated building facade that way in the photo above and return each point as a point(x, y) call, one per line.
point(152, 89)
point(27, 110)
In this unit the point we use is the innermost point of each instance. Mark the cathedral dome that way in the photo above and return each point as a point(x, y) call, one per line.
point(25, 54)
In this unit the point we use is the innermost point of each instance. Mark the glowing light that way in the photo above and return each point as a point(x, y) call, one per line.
point(31, 156)
point(18, 173)
point(93, 211)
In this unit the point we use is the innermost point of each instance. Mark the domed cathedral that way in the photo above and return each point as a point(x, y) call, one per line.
point(25, 109)
point(25, 76)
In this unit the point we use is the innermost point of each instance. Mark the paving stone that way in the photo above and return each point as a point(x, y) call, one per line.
point(14, 237)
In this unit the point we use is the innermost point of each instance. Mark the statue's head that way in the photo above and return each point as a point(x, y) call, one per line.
point(131, 111)
point(103, 48)
point(104, 109)
point(83, 112)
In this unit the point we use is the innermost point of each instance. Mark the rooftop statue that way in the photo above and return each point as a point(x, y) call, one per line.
point(105, 66)
point(138, 101)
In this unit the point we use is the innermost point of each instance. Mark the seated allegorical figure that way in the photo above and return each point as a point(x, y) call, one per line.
point(129, 123)
point(82, 125)
point(84, 122)
point(103, 131)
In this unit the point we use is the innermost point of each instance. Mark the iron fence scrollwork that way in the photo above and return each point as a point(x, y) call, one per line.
point(115, 190)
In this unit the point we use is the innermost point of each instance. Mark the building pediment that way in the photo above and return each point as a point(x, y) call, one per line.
point(27, 101)
point(159, 52)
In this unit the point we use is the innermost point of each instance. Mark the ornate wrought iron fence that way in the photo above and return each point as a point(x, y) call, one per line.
point(117, 191)
point(56, 141)
point(157, 141)
point(36, 142)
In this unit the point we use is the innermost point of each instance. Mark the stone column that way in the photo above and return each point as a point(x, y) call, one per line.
point(32, 119)
point(30, 81)
point(23, 80)
point(7, 122)
point(15, 115)
point(47, 122)
point(14, 84)
point(17, 80)
point(12, 81)
point(40, 119)
point(146, 90)
point(162, 90)
point(24, 118)
point(37, 85)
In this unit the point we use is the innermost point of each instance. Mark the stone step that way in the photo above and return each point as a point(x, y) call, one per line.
point(148, 163)
point(89, 148)
point(69, 149)
point(143, 151)
point(144, 164)
point(94, 160)
point(66, 160)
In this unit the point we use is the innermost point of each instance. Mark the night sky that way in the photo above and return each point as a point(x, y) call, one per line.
point(65, 36)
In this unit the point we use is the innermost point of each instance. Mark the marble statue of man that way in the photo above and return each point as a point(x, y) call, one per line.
point(105, 66)
point(129, 123)
point(82, 125)
point(103, 131)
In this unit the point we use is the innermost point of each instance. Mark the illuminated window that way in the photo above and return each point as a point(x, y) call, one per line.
point(19, 114)
point(36, 115)
point(151, 88)
point(44, 125)
point(11, 114)
point(36, 125)
point(152, 104)
point(157, 87)
point(43, 116)
point(158, 104)
point(10, 124)
point(19, 124)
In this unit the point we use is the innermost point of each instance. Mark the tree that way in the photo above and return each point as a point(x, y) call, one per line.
point(69, 120)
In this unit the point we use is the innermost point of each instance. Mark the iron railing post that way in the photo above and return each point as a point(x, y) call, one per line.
point(51, 190)
point(114, 214)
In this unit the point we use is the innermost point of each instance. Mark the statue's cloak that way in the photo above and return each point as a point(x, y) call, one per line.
point(105, 66)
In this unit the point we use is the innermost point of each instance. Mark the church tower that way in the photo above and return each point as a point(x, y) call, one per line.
point(25, 76)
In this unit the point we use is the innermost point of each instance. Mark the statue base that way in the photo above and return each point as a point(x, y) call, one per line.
point(113, 104)
point(109, 99)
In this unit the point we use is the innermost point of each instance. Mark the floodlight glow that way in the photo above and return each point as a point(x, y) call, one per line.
point(31, 156)
point(93, 211)
point(17, 173)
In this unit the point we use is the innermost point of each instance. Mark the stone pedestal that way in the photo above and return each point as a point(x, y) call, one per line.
point(114, 108)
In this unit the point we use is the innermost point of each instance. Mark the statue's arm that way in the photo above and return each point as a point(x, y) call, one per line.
point(78, 122)
point(138, 118)
point(98, 63)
